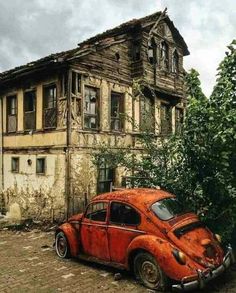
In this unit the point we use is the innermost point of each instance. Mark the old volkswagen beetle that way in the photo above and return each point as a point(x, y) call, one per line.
point(146, 231)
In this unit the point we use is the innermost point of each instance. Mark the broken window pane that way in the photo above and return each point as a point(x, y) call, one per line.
point(91, 108)
point(15, 165)
point(40, 166)
point(117, 111)
point(166, 119)
point(29, 110)
point(50, 106)
point(12, 113)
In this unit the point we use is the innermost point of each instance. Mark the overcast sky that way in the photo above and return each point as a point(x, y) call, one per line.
point(30, 29)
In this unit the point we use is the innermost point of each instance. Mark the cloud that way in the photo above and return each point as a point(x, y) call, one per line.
point(31, 29)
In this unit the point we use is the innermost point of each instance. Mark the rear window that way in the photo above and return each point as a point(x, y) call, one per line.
point(168, 208)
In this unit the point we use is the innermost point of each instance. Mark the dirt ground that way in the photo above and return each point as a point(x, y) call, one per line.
point(28, 263)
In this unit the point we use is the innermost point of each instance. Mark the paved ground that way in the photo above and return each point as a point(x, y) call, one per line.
point(29, 264)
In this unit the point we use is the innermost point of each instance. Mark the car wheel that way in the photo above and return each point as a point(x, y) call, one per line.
point(62, 246)
point(148, 272)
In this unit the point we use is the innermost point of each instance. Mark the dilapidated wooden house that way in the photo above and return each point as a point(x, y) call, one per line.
point(56, 110)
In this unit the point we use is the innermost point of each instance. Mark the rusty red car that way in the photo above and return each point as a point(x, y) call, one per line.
point(147, 232)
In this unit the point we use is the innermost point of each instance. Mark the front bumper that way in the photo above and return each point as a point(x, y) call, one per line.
point(205, 276)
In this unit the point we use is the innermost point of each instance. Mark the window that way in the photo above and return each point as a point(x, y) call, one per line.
point(97, 212)
point(76, 83)
point(175, 62)
point(117, 109)
point(152, 51)
point(136, 54)
point(168, 208)
point(105, 178)
point(166, 119)
point(147, 114)
point(91, 108)
point(123, 214)
point(179, 119)
point(11, 114)
point(30, 110)
point(64, 85)
point(50, 106)
point(164, 55)
point(15, 164)
point(41, 166)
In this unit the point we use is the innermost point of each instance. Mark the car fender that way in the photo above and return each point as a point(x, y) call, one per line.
point(72, 237)
point(162, 251)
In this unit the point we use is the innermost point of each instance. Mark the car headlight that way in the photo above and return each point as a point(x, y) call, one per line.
point(218, 238)
point(179, 256)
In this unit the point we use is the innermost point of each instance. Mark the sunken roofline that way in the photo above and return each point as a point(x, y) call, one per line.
point(62, 57)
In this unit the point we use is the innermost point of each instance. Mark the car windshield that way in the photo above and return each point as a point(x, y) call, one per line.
point(168, 208)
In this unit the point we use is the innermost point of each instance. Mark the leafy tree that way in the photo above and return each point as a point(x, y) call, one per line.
point(209, 144)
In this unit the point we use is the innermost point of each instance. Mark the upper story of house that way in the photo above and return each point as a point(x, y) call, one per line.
point(118, 82)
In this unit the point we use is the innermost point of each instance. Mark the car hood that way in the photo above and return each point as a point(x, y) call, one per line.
point(192, 237)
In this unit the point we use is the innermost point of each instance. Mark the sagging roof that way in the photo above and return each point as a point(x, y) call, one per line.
point(85, 46)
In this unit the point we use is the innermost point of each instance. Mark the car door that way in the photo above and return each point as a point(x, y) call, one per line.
point(122, 229)
point(93, 231)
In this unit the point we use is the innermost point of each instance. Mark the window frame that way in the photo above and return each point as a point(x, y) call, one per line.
point(124, 224)
point(164, 58)
point(18, 169)
point(76, 83)
point(35, 110)
point(45, 165)
point(121, 105)
point(45, 87)
point(175, 66)
point(94, 203)
point(107, 169)
point(179, 122)
point(142, 115)
point(136, 51)
point(9, 114)
point(170, 128)
point(152, 52)
point(97, 108)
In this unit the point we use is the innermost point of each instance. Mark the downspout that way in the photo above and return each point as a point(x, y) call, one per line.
point(68, 145)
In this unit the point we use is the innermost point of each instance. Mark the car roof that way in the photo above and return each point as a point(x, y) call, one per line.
point(139, 197)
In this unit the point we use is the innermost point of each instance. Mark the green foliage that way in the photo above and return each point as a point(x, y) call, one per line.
point(194, 85)
point(198, 165)
point(209, 145)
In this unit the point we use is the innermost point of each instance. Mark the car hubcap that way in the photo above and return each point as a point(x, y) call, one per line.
point(61, 246)
point(150, 272)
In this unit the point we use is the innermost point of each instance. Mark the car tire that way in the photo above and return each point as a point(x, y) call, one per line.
point(62, 245)
point(149, 273)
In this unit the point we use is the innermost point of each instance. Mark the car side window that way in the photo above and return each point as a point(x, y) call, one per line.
point(97, 211)
point(122, 214)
